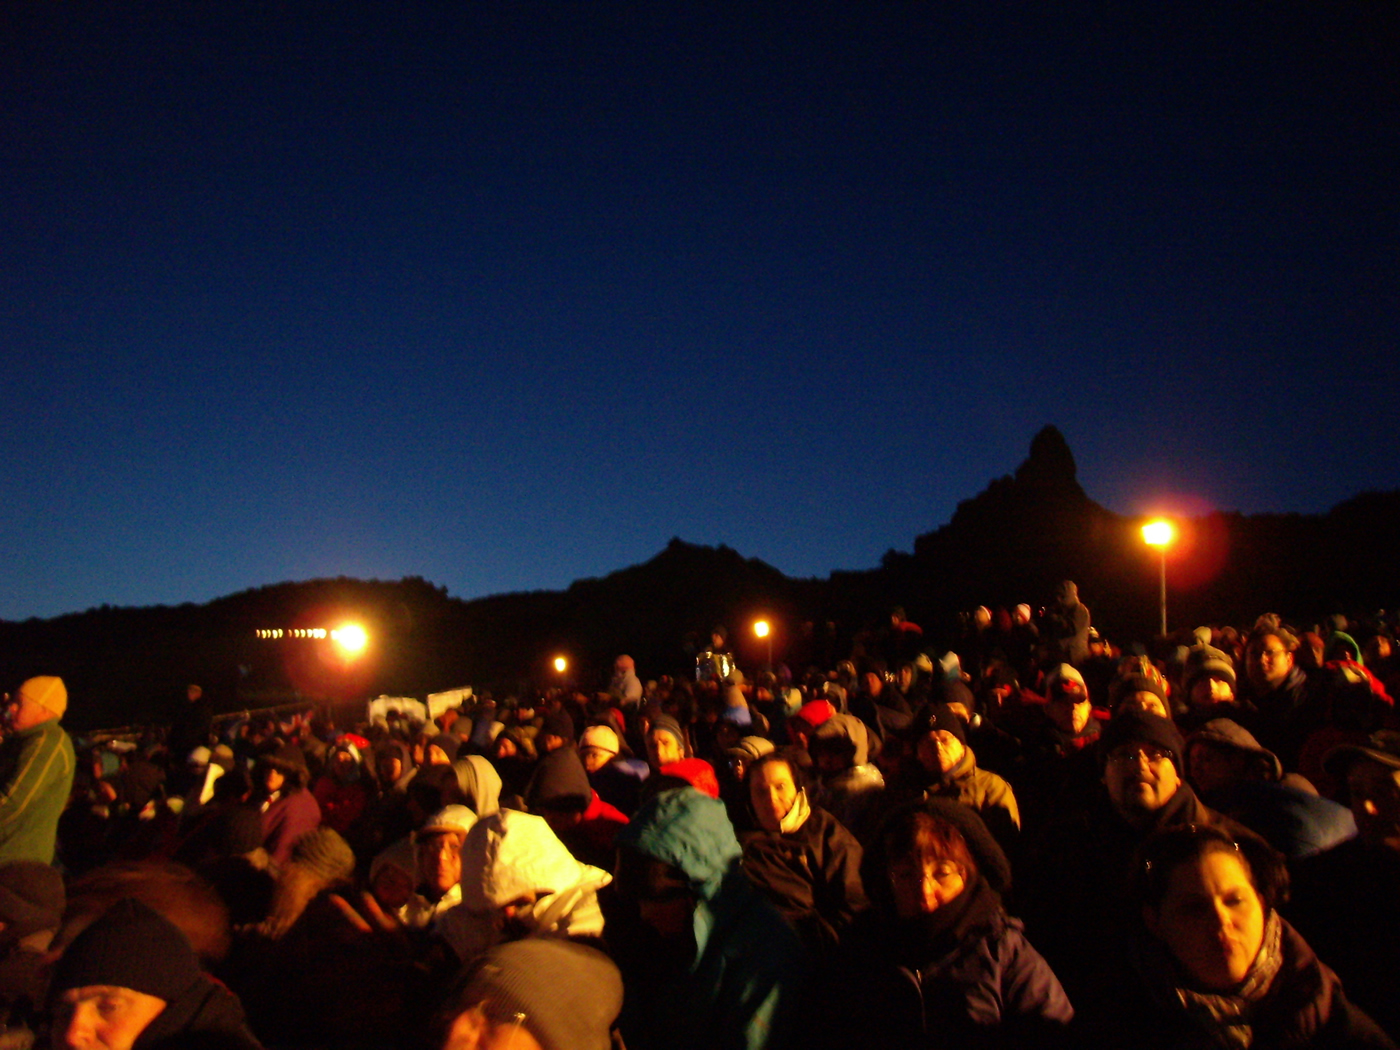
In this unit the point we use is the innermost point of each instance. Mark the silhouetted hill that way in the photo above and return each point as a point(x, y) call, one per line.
point(1012, 542)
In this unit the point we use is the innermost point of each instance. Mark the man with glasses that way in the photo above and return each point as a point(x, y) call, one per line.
point(36, 770)
point(1077, 886)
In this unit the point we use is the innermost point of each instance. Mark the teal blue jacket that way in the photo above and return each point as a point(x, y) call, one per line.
point(742, 988)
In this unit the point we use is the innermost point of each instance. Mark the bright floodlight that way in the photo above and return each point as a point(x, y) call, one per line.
point(351, 637)
point(1159, 533)
point(560, 664)
point(761, 628)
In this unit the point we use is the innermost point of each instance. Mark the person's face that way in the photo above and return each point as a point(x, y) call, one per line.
point(1140, 778)
point(772, 792)
point(392, 887)
point(906, 678)
point(1213, 767)
point(666, 903)
point(1069, 717)
point(939, 750)
point(595, 758)
point(439, 861)
point(103, 1017)
point(472, 1030)
point(505, 747)
point(1377, 649)
point(193, 693)
point(874, 684)
point(923, 885)
point(273, 779)
point(344, 764)
point(390, 769)
point(663, 748)
point(24, 713)
point(1269, 661)
point(1144, 700)
point(1375, 802)
point(1211, 690)
point(1212, 920)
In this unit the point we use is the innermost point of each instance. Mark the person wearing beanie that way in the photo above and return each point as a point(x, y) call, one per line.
point(557, 731)
point(615, 775)
point(437, 853)
point(37, 764)
point(343, 790)
point(666, 742)
point(288, 809)
point(563, 996)
point(1139, 684)
point(943, 766)
point(131, 981)
point(1209, 684)
point(1081, 863)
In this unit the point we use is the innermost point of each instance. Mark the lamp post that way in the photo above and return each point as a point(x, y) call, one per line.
point(1159, 533)
point(560, 665)
point(764, 630)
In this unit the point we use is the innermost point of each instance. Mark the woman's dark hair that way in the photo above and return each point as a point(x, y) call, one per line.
point(918, 833)
point(1168, 849)
point(913, 828)
point(799, 775)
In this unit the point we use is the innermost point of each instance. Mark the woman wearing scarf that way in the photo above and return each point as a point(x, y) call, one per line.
point(938, 962)
point(801, 858)
point(1214, 965)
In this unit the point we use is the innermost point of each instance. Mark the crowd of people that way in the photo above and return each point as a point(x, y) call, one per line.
point(1028, 839)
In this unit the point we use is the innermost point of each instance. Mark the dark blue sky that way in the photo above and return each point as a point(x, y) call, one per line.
point(506, 294)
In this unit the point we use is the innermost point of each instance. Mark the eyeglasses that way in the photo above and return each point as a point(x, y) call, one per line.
point(911, 875)
point(1135, 753)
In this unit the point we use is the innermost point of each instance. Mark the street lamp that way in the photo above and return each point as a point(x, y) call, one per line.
point(765, 631)
point(1159, 533)
point(561, 664)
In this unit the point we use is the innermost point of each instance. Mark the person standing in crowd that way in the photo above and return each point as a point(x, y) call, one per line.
point(37, 764)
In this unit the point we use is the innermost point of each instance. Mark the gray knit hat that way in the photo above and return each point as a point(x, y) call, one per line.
point(565, 994)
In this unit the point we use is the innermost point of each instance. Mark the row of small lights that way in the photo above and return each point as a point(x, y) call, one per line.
point(351, 637)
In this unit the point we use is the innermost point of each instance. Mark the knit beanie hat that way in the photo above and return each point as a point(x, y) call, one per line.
point(667, 724)
point(31, 898)
point(1066, 683)
point(600, 738)
point(324, 852)
point(566, 995)
point(1132, 725)
point(1205, 661)
point(47, 691)
point(131, 946)
point(933, 717)
point(751, 748)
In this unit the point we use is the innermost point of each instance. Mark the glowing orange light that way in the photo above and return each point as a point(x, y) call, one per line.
point(1159, 533)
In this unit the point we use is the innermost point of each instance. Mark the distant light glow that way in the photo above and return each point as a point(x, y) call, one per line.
point(761, 628)
point(560, 664)
point(351, 637)
point(1159, 533)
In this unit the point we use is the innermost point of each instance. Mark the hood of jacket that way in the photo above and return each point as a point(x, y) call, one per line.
point(690, 831)
point(511, 854)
